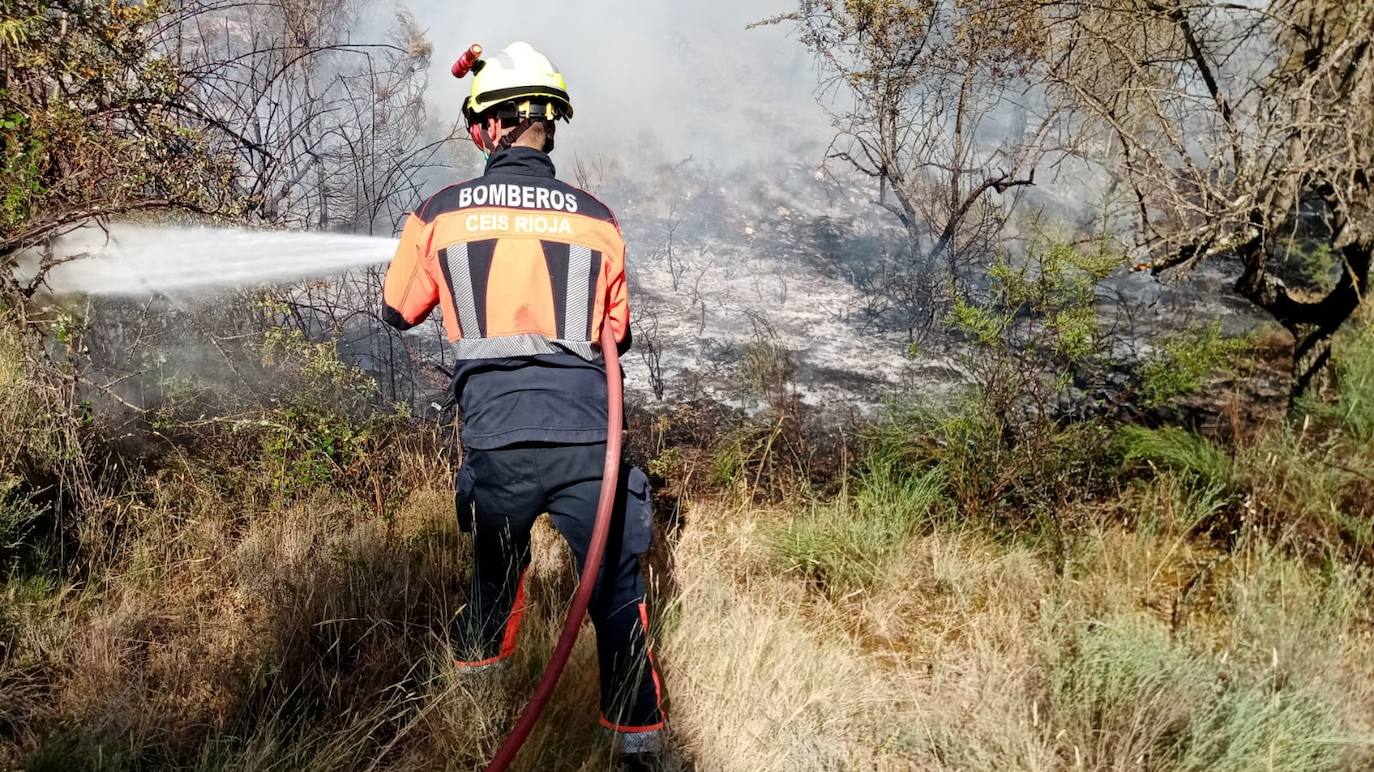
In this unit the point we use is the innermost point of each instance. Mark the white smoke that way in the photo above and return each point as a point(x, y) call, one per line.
point(675, 79)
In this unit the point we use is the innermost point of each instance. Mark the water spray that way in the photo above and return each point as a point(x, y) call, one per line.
point(141, 260)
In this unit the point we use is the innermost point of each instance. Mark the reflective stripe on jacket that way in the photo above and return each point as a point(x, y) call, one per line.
point(524, 268)
point(519, 267)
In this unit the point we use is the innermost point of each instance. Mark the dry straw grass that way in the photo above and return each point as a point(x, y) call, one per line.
point(214, 621)
point(314, 637)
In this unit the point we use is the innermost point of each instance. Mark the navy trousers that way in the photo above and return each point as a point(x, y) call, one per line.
point(500, 494)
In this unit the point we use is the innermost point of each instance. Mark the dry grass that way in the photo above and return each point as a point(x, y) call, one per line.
point(216, 620)
point(967, 654)
point(314, 637)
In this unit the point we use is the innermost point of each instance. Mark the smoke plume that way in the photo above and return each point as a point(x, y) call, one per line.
point(673, 79)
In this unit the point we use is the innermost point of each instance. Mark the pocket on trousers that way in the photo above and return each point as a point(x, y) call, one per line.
point(639, 512)
point(463, 501)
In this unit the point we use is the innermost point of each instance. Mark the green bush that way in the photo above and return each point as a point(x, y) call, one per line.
point(1035, 323)
point(1184, 361)
point(1308, 263)
point(304, 449)
point(325, 424)
point(1262, 727)
point(1007, 450)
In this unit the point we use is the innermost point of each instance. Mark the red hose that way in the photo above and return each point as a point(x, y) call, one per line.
point(590, 569)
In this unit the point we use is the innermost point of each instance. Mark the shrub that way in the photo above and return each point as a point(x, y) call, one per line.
point(1262, 727)
point(767, 367)
point(1035, 325)
point(1316, 490)
point(325, 424)
point(776, 454)
point(1184, 361)
point(995, 465)
point(1008, 448)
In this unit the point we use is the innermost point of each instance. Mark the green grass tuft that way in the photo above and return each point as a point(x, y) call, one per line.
point(1127, 696)
point(1354, 363)
point(1178, 450)
point(843, 544)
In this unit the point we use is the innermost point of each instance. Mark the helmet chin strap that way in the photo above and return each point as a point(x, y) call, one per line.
point(479, 138)
point(488, 143)
point(515, 134)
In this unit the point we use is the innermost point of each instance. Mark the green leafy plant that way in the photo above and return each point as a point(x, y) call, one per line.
point(1036, 329)
point(1184, 361)
point(1307, 263)
point(325, 424)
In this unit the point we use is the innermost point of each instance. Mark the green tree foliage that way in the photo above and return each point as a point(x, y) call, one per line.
point(92, 122)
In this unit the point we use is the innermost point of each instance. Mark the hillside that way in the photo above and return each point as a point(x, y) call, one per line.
point(1003, 371)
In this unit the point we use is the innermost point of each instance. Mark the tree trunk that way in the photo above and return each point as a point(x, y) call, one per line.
point(1312, 323)
point(1311, 354)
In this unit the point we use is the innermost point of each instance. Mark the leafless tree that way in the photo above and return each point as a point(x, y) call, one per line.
point(931, 99)
point(590, 174)
point(649, 345)
point(1241, 129)
point(330, 133)
point(325, 133)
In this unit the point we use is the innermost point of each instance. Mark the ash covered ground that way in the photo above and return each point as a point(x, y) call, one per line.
point(720, 261)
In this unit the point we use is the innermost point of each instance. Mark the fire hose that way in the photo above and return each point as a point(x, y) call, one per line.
point(591, 567)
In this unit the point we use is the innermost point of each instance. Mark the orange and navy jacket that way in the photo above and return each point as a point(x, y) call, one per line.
point(526, 269)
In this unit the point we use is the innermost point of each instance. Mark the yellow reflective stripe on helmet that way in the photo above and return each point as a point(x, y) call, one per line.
point(522, 100)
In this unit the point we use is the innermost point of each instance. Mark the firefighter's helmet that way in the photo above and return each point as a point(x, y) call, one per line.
point(523, 83)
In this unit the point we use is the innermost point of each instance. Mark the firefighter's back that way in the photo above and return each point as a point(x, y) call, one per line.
point(524, 266)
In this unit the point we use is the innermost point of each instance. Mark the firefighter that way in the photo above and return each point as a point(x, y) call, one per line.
point(526, 269)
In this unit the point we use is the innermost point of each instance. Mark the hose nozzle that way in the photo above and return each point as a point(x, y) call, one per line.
point(470, 61)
